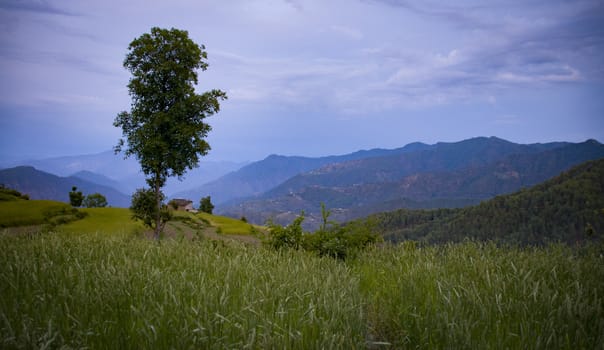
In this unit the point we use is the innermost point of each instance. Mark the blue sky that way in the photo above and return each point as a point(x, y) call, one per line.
point(313, 77)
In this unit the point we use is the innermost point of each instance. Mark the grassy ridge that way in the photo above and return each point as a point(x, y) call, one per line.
point(119, 221)
point(117, 291)
point(227, 225)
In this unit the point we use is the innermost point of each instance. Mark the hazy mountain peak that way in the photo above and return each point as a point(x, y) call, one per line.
point(592, 142)
point(42, 185)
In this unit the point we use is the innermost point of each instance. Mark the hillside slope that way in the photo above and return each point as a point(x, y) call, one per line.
point(567, 208)
point(41, 185)
point(258, 177)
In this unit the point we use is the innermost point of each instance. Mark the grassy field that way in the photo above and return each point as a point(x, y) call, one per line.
point(114, 221)
point(480, 296)
point(103, 290)
point(100, 291)
point(228, 226)
point(117, 221)
point(98, 283)
point(29, 212)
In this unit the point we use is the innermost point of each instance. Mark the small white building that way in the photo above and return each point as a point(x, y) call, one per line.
point(183, 204)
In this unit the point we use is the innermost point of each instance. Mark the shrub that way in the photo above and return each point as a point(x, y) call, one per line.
point(338, 242)
point(9, 194)
point(95, 200)
point(75, 197)
point(342, 241)
point(205, 205)
point(144, 208)
point(327, 243)
point(63, 215)
point(286, 237)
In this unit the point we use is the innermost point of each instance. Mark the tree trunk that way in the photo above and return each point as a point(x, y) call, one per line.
point(158, 225)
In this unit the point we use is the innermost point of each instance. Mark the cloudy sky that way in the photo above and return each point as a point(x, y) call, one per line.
point(312, 77)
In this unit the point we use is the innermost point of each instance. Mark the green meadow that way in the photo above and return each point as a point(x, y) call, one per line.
point(228, 225)
point(98, 283)
point(113, 221)
point(29, 212)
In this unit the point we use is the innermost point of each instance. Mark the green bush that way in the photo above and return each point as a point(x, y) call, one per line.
point(205, 205)
point(75, 197)
point(9, 194)
point(95, 200)
point(63, 215)
point(341, 242)
point(6, 197)
point(144, 208)
point(286, 237)
point(338, 242)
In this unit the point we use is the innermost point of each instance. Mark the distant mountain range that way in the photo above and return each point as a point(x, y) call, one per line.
point(418, 175)
point(433, 176)
point(42, 185)
point(124, 175)
point(259, 177)
point(568, 208)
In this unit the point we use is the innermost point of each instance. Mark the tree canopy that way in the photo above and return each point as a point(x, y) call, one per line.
point(95, 200)
point(144, 208)
point(75, 197)
point(205, 205)
point(165, 128)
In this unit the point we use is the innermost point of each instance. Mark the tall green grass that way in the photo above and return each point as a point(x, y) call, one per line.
point(480, 296)
point(102, 291)
point(118, 291)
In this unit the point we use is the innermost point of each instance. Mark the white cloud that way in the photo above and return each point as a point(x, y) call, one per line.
point(340, 58)
point(568, 74)
point(291, 52)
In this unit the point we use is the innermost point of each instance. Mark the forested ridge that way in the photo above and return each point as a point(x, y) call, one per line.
point(444, 175)
point(568, 208)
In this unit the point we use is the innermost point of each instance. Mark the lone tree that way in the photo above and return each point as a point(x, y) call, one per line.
point(205, 205)
point(165, 129)
point(75, 197)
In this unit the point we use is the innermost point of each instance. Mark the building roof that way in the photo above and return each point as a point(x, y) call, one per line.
point(182, 202)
